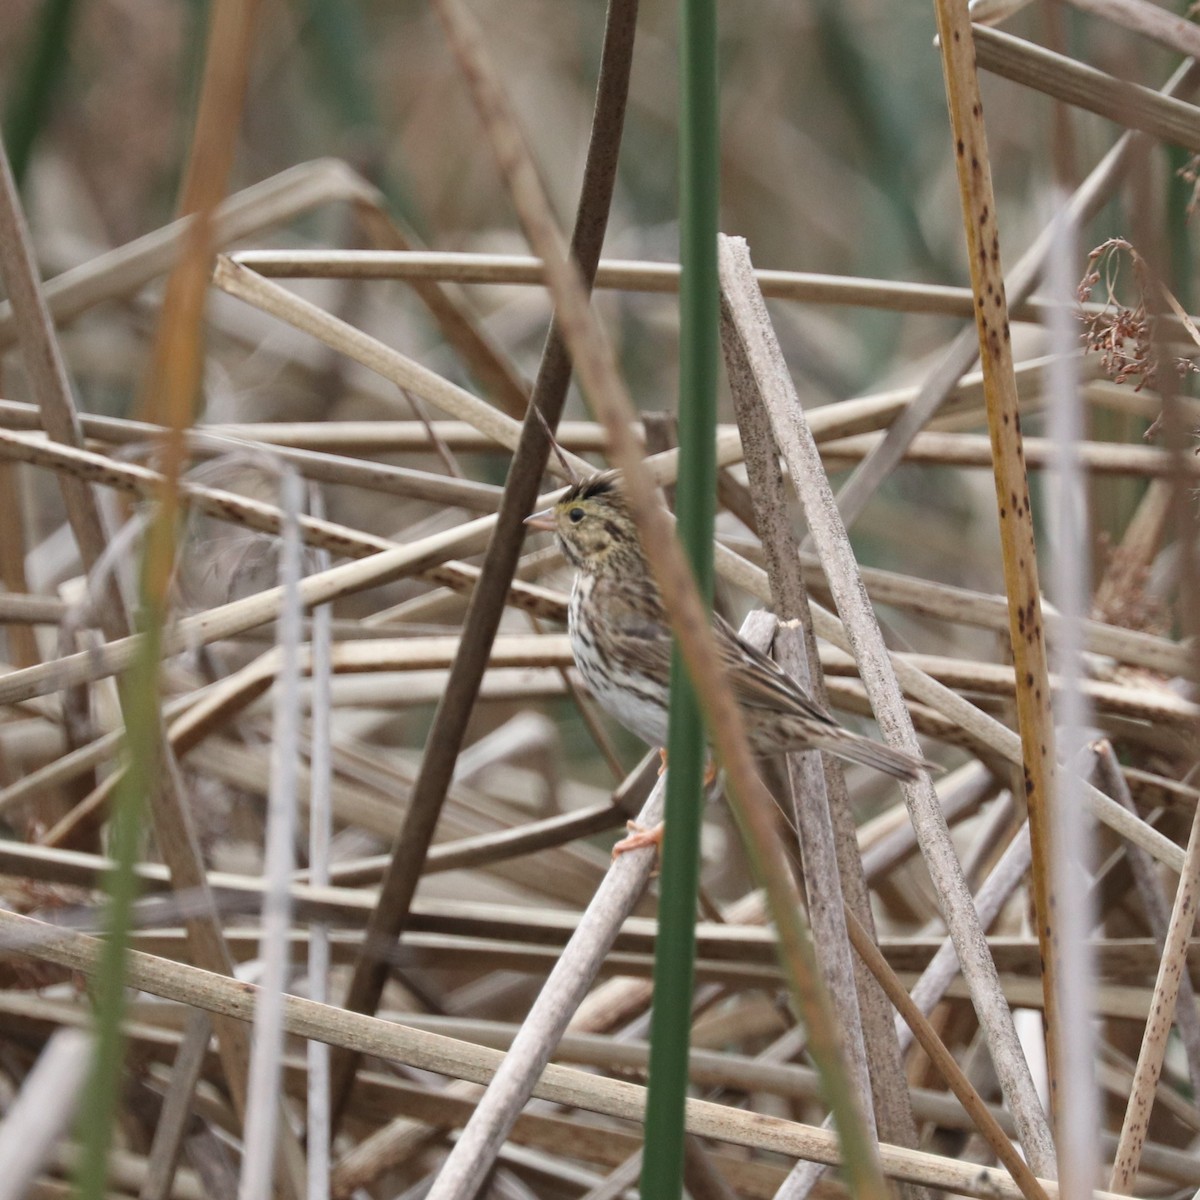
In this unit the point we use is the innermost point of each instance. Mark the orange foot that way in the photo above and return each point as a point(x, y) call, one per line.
point(710, 768)
point(639, 837)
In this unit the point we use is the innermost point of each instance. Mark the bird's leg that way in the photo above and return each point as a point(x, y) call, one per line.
point(711, 770)
point(639, 837)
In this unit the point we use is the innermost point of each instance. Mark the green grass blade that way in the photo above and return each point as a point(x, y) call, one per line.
point(662, 1170)
point(101, 1098)
point(38, 86)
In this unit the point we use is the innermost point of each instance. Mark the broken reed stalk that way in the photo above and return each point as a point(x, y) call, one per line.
point(1035, 719)
point(762, 351)
point(817, 782)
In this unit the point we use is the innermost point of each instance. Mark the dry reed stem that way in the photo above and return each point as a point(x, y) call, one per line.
point(815, 835)
point(1128, 104)
point(478, 349)
point(1158, 911)
point(1035, 720)
point(944, 1061)
point(176, 1113)
point(42, 1110)
point(398, 1043)
point(1149, 703)
point(819, 794)
point(313, 465)
point(748, 311)
point(224, 701)
point(161, 1029)
point(1002, 881)
point(21, 641)
point(373, 354)
point(255, 210)
point(390, 1144)
point(971, 450)
point(619, 274)
point(47, 372)
point(263, 1116)
point(652, 278)
point(1162, 1016)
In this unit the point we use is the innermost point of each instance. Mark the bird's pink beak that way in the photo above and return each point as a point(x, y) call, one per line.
point(542, 520)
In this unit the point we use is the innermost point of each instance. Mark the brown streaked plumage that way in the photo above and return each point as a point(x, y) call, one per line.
point(622, 641)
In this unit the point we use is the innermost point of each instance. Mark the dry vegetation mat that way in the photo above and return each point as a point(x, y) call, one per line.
point(305, 884)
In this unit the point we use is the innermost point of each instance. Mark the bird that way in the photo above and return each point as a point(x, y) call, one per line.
point(621, 641)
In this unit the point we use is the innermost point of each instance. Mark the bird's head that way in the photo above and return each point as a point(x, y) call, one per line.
point(594, 525)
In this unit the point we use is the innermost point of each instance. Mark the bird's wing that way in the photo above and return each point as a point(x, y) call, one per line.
point(635, 630)
point(759, 681)
point(639, 639)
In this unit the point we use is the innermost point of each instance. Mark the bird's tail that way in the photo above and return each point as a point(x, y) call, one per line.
point(856, 748)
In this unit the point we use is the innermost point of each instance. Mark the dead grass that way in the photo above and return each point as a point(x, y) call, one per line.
point(386, 390)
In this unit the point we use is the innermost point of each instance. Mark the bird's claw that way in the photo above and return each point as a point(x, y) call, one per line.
point(639, 838)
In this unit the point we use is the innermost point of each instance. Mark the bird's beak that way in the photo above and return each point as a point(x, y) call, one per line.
point(542, 520)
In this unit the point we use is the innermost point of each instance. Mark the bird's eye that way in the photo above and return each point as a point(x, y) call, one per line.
point(575, 515)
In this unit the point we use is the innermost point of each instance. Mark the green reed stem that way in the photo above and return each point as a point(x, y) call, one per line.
point(662, 1168)
point(102, 1092)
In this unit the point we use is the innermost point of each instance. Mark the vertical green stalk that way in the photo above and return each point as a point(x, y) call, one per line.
point(38, 82)
point(139, 694)
point(662, 1169)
